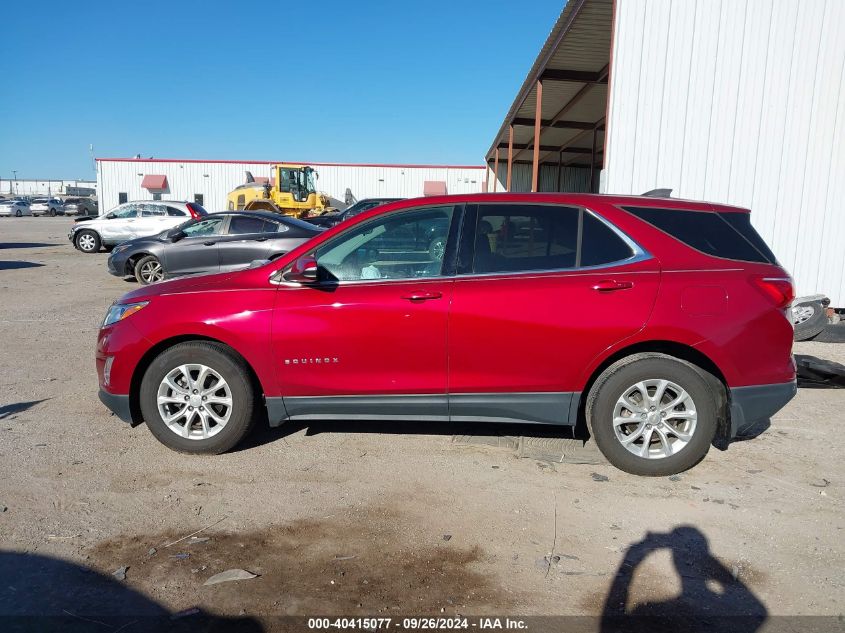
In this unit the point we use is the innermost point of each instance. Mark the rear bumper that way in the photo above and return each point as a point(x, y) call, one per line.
point(750, 405)
point(119, 405)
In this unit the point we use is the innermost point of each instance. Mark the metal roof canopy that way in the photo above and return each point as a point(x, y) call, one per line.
point(558, 116)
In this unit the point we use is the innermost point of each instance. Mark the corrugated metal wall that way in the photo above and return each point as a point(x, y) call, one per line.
point(570, 179)
point(742, 102)
point(215, 180)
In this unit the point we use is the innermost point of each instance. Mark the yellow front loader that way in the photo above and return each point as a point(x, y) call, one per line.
point(292, 192)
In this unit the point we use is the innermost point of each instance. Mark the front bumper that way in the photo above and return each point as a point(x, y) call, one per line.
point(119, 405)
point(750, 405)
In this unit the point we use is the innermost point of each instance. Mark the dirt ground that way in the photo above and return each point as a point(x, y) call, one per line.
point(382, 519)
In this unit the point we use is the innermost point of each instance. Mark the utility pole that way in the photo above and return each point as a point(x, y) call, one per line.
point(15, 173)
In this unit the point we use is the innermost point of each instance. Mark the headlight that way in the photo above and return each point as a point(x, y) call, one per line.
point(119, 248)
point(120, 311)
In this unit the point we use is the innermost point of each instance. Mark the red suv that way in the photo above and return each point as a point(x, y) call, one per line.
point(660, 323)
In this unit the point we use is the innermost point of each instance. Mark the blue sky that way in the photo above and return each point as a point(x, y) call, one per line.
point(330, 81)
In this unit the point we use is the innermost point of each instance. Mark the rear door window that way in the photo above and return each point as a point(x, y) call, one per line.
point(520, 237)
point(711, 233)
point(176, 213)
point(243, 225)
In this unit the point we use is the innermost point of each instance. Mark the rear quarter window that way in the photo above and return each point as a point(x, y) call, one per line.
point(716, 234)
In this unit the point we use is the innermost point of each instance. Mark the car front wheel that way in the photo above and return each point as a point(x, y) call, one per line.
point(196, 397)
point(149, 270)
point(652, 414)
point(88, 242)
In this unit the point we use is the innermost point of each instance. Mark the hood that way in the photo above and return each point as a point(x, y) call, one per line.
point(193, 283)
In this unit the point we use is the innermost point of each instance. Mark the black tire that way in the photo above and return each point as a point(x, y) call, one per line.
point(142, 270)
point(19, 213)
point(85, 245)
point(52, 213)
point(614, 382)
point(234, 371)
point(832, 333)
point(813, 324)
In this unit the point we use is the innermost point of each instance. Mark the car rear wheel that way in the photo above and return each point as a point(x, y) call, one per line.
point(52, 213)
point(196, 397)
point(88, 242)
point(18, 213)
point(149, 270)
point(437, 248)
point(652, 414)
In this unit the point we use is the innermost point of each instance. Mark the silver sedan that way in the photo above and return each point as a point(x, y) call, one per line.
point(15, 208)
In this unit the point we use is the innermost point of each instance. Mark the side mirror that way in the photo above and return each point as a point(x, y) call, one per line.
point(176, 234)
point(303, 271)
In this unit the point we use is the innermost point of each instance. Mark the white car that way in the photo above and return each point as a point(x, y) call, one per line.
point(14, 207)
point(130, 220)
point(46, 206)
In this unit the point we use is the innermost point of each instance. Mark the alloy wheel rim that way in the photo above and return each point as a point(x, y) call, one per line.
point(151, 272)
point(86, 243)
point(654, 419)
point(194, 401)
point(801, 314)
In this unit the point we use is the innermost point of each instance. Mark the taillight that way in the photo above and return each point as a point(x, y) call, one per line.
point(195, 213)
point(778, 289)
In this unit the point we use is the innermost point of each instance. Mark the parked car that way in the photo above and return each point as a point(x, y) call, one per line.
point(80, 206)
point(216, 242)
point(336, 217)
point(14, 207)
point(660, 324)
point(47, 206)
point(130, 220)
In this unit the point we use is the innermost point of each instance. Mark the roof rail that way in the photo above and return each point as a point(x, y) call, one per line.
point(658, 193)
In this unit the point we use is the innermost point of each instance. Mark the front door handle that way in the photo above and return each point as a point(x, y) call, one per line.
point(609, 285)
point(261, 239)
point(422, 296)
point(209, 243)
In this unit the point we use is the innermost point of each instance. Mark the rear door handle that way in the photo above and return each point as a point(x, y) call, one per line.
point(261, 239)
point(209, 243)
point(422, 296)
point(609, 285)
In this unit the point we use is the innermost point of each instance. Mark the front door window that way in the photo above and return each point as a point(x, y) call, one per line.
point(404, 245)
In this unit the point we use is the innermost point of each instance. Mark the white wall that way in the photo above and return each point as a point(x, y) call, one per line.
point(36, 187)
point(216, 179)
point(742, 102)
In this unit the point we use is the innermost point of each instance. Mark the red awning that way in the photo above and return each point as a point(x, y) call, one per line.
point(153, 181)
point(262, 180)
point(434, 188)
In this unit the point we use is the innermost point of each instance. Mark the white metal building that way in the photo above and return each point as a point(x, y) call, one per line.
point(45, 187)
point(734, 101)
point(208, 182)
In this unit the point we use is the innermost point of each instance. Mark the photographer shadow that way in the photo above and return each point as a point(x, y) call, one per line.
point(712, 597)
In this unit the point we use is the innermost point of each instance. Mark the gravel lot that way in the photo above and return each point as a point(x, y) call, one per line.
point(377, 519)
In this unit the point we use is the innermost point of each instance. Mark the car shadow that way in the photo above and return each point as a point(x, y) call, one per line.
point(5, 245)
point(11, 409)
point(41, 593)
point(4, 265)
point(264, 434)
point(712, 597)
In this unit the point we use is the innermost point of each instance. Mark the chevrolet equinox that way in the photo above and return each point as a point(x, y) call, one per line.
point(659, 323)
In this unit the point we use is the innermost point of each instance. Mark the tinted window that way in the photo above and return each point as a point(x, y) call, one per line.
point(274, 227)
point(741, 222)
point(176, 213)
point(242, 224)
point(705, 231)
point(525, 237)
point(402, 245)
point(600, 244)
point(122, 197)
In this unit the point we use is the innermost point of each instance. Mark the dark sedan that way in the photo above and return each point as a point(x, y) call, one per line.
point(330, 219)
point(218, 242)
